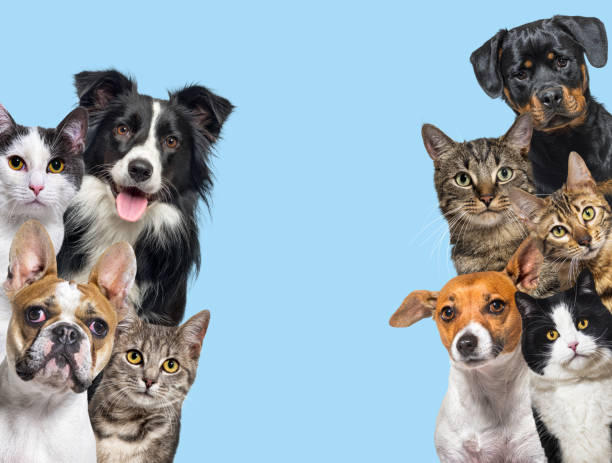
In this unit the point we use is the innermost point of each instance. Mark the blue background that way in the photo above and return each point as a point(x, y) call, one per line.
point(324, 214)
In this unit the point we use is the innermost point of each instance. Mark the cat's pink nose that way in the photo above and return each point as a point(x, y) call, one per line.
point(573, 345)
point(148, 382)
point(37, 189)
point(486, 199)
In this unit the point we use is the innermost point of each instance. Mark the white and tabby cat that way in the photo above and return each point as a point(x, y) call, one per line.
point(40, 172)
point(136, 410)
point(567, 343)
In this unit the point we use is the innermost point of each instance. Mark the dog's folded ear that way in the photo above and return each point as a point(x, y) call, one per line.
point(192, 332)
point(418, 305)
point(114, 275)
point(73, 129)
point(31, 257)
point(589, 33)
point(519, 135)
point(436, 142)
point(525, 264)
point(96, 89)
point(210, 111)
point(485, 62)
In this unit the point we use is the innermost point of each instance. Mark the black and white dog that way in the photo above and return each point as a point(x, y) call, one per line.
point(147, 166)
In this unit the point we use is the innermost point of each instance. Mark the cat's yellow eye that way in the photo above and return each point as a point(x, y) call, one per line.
point(582, 323)
point(588, 213)
point(558, 231)
point(134, 357)
point(16, 163)
point(463, 179)
point(552, 335)
point(505, 174)
point(56, 166)
point(170, 366)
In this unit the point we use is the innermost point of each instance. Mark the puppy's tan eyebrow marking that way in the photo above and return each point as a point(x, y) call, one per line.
point(90, 310)
point(49, 301)
point(550, 55)
point(528, 64)
point(487, 297)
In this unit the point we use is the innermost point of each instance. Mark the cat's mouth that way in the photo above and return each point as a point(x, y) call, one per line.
point(131, 202)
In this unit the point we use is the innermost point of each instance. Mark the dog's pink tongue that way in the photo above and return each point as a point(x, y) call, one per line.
point(130, 207)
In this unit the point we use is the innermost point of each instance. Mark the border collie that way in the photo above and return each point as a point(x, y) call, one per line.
point(147, 166)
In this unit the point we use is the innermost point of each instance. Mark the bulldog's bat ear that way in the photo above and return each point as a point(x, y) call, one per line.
point(485, 62)
point(114, 275)
point(590, 34)
point(193, 331)
point(416, 306)
point(31, 257)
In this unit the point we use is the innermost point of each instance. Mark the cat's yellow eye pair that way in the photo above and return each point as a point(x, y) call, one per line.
point(558, 231)
point(134, 357)
point(552, 335)
point(170, 366)
point(56, 166)
point(582, 323)
point(588, 213)
point(505, 174)
point(16, 163)
point(463, 179)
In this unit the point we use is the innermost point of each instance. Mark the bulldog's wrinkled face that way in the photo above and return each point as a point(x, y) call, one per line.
point(61, 333)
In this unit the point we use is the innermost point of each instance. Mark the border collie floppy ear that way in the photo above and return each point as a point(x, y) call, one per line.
point(73, 129)
point(589, 33)
point(114, 275)
point(524, 266)
point(209, 110)
point(31, 257)
point(485, 62)
point(418, 305)
point(96, 89)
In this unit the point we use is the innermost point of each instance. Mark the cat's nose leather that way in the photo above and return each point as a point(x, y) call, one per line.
point(573, 345)
point(148, 382)
point(584, 240)
point(37, 189)
point(486, 199)
point(467, 344)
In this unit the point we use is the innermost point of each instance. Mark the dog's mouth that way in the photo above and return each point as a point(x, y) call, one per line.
point(131, 202)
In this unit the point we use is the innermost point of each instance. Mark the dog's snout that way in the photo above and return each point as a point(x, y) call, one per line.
point(65, 334)
point(466, 345)
point(140, 170)
point(551, 97)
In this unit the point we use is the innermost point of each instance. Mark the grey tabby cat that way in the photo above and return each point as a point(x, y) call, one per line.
point(472, 180)
point(136, 410)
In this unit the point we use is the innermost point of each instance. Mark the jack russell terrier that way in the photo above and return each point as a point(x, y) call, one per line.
point(486, 413)
point(60, 337)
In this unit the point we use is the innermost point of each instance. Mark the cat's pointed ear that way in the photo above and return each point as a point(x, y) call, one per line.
point(193, 332)
point(31, 257)
point(578, 174)
point(525, 304)
point(525, 264)
point(209, 111)
point(73, 129)
point(525, 205)
point(418, 305)
point(520, 133)
point(96, 89)
point(585, 284)
point(436, 142)
point(114, 275)
point(7, 124)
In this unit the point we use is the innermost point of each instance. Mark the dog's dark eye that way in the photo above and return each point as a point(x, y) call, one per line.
point(521, 75)
point(36, 315)
point(561, 61)
point(122, 130)
point(447, 313)
point(497, 306)
point(98, 327)
point(171, 142)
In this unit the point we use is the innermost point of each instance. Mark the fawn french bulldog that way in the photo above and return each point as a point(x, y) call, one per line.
point(486, 413)
point(60, 337)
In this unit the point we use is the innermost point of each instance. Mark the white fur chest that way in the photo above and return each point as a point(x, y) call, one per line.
point(579, 415)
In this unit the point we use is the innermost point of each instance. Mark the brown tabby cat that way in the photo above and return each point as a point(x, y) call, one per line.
point(472, 180)
point(136, 410)
point(573, 225)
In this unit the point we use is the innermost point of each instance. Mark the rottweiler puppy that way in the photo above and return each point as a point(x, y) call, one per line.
point(539, 68)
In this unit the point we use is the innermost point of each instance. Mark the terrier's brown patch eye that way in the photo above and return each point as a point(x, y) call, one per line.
point(497, 306)
point(447, 313)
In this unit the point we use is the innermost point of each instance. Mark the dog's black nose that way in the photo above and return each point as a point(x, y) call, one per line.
point(551, 97)
point(467, 344)
point(65, 334)
point(140, 170)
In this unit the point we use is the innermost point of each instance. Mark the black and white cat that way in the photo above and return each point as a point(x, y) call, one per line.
point(567, 343)
point(40, 173)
